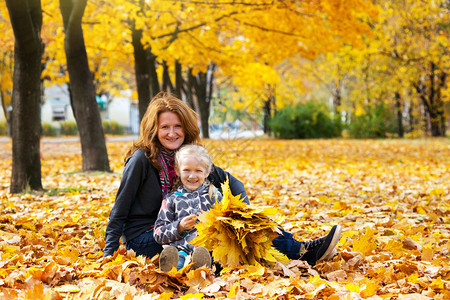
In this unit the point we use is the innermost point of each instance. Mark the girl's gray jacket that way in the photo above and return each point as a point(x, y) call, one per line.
point(177, 205)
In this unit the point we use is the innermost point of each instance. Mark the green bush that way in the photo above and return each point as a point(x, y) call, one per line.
point(112, 127)
point(304, 121)
point(3, 128)
point(377, 123)
point(49, 130)
point(68, 128)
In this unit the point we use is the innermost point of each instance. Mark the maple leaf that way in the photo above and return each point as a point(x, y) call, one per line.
point(369, 288)
point(427, 253)
point(366, 243)
point(237, 233)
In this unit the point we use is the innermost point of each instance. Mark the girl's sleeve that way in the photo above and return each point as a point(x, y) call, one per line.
point(166, 226)
point(219, 196)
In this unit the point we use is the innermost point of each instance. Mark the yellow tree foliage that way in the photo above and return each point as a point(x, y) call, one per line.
point(247, 39)
point(273, 36)
point(107, 38)
point(408, 37)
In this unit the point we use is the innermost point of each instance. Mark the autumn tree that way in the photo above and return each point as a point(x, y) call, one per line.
point(272, 34)
point(403, 66)
point(202, 86)
point(82, 90)
point(174, 39)
point(414, 36)
point(171, 39)
point(26, 21)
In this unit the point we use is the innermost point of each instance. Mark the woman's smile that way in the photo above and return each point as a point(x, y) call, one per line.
point(170, 130)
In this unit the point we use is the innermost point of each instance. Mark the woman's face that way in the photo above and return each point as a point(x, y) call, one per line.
point(170, 130)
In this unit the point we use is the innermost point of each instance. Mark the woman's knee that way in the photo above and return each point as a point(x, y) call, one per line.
point(145, 244)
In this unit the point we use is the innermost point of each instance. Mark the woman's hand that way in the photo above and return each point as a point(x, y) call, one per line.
point(187, 223)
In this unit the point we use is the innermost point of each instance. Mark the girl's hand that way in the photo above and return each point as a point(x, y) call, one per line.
point(187, 223)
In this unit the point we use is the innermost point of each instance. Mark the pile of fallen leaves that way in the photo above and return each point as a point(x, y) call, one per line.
point(239, 234)
point(391, 197)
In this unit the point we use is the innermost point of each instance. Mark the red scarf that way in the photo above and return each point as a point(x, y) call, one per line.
point(167, 175)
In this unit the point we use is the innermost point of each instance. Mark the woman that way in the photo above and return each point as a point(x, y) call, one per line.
point(149, 175)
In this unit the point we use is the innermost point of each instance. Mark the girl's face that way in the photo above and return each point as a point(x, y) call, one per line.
point(192, 172)
point(170, 130)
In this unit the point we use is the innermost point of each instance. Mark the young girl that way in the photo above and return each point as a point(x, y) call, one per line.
point(179, 209)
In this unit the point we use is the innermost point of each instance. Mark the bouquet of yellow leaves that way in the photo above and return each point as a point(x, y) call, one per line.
point(238, 233)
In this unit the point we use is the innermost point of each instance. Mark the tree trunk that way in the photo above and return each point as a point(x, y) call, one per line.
point(429, 91)
point(141, 69)
point(266, 115)
point(189, 91)
point(398, 107)
point(443, 125)
point(440, 86)
point(167, 85)
point(269, 109)
point(203, 87)
point(84, 104)
point(435, 123)
point(178, 79)
point(337, 97)
point(26, 20)
point(412, 119)
point(154, 81)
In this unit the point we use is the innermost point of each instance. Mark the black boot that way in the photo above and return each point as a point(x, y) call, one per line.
point(319, 249)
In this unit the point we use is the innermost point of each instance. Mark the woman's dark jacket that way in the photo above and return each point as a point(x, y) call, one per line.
point(139, 198)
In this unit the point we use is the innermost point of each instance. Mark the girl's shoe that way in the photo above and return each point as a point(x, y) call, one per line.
point(201, 258)
point(168, 258)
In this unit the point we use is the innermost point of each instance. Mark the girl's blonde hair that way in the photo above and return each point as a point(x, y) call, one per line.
point(200, 153)
point(148, 134)
point(196, 151)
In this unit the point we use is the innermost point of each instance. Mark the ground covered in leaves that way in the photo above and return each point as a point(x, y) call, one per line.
point(392, 198)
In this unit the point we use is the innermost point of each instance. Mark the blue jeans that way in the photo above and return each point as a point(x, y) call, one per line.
point(181, 259)
point(286, 244)
point(145, 244)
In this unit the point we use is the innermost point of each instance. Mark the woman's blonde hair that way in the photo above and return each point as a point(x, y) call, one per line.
point(148, 134)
